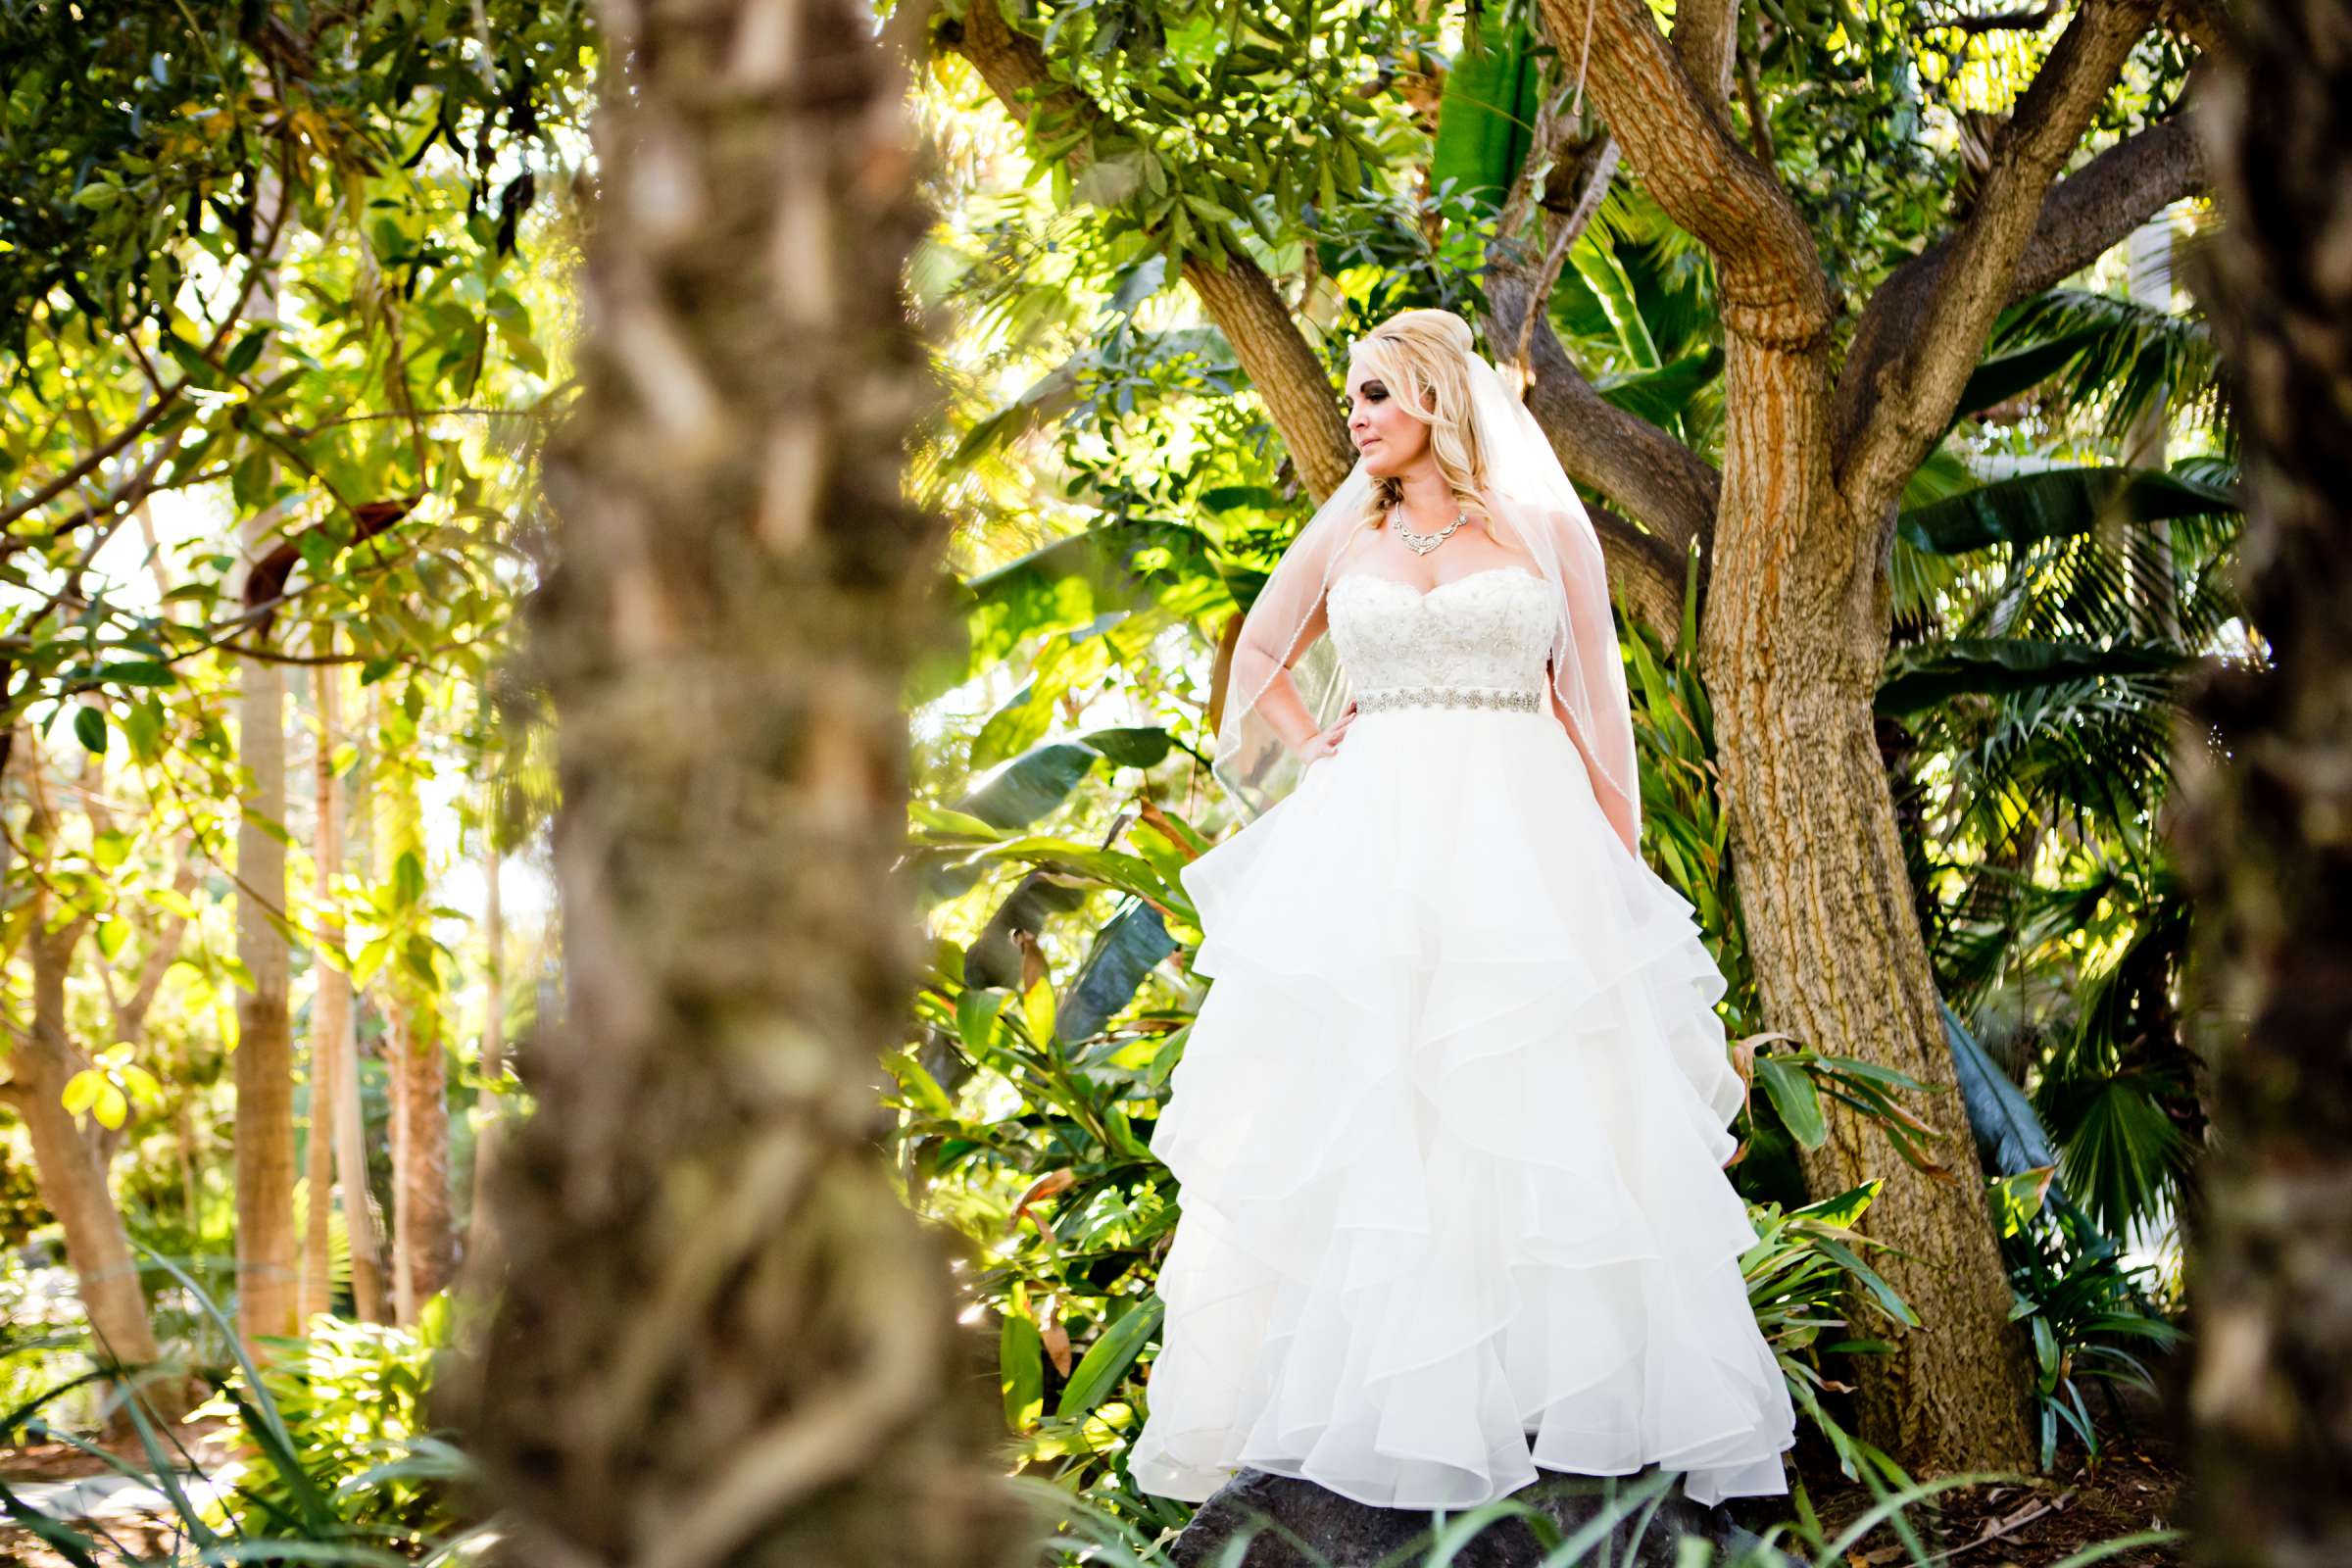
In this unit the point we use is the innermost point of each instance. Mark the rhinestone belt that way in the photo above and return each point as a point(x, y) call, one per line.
point(1375, 701)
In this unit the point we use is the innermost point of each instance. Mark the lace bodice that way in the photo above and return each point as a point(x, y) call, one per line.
point(1492, 628)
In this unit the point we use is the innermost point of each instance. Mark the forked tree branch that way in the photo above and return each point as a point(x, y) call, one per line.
point(1554, 195)
point(2096, 207)
point(1706, 40)
point(1910, 395)
point(1770, 285)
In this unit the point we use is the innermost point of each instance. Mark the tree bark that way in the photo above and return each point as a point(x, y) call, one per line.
point(267, 1267)
point(1793, 657)
point(2267, 789)
point(317, 1146)
point(424, 1247)
point(66, 1166)
point(722, 1338)
point(269, 1274)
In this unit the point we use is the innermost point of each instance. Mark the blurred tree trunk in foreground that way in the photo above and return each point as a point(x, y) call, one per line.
point(2269, 832)
point(720, 1336)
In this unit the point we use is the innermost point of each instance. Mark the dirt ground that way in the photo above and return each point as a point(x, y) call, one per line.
point(2135, 1484)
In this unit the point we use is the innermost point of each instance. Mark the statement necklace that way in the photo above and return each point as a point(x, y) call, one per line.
point(1423, 543)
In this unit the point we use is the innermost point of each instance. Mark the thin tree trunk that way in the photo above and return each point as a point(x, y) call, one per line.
point(267, 1274)
point(269, 1270)
point(2267, 786)
point(318, 1147)
point(423, 1233)
point(334, 1038)
point(722, 1338)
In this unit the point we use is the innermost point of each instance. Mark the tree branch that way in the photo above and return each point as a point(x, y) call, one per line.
point(1768, 281)
point(1563, 184)
point(1706, 37)
point(1645, 569)
point(1623, 456)
point(165, 398)
point(2203, 22)
point(1911, 395)
point(2033, 20)
point(2085, 214)
point(164, 403)
point(1281, 367)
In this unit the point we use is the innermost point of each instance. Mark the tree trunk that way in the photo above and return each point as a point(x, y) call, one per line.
point(1793, 648)
point(73, 1183)
point(66, 1166)
point(269, 1271)
point(317, 1133)
point(370, 1251)
point(334, 1045)
point(423, 1235)
point(268, 1275)
point(2267, 792)
point(722, 1338)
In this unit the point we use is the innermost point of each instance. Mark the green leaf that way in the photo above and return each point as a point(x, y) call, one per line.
point(138, 672)
point(112, 935)
point(408, 879)
point(1854, 1264)
point(1037, 1010)
point(248, 349)
point(2058, 505)
point(1108, 1357)
point(1029, 786)
point(1793, 1095)
point(1925, 675)
point(82, 1090)
point(1133, 746)
point(89, 729)
point(921, 1090)
point(976, 1013)
point(1486, 116)
point(2001, 376)
point(1124, 952)
point(1660, 396)
point(1844, 1210)
point(1021, 1372)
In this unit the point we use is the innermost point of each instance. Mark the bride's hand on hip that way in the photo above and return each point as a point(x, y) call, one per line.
point(1328, 742)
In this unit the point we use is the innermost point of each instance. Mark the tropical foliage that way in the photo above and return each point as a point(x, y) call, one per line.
point(286, 309)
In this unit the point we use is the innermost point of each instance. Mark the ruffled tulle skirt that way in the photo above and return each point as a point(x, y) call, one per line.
point(1449, 1128)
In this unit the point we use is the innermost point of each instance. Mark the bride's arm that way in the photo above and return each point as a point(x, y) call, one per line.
point(1612, 804)
point(1279, 704)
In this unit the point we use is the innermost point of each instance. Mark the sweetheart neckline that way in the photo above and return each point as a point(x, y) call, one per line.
point(1424, 593)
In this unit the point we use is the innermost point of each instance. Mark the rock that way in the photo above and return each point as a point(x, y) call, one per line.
point(1342, 1533)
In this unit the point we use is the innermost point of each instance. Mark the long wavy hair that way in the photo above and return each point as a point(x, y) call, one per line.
point(1422, 358)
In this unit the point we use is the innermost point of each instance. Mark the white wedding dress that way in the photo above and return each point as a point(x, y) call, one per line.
point(1450, 1124)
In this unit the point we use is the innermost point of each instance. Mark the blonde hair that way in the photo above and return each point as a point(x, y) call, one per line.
point(1422, 357)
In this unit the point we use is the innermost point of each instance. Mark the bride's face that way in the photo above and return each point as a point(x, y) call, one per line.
point(1390, 440)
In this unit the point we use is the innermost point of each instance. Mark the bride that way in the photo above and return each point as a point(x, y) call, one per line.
point(1450, 1123)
